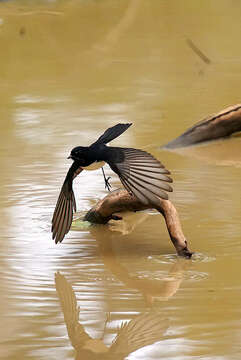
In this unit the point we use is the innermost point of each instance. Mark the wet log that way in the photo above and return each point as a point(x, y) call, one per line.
point(220, 125)
point(121, 201)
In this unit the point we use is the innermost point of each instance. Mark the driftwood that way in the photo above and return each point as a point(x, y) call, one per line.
point(198, 52)
point(121, 201)
point(220, 125)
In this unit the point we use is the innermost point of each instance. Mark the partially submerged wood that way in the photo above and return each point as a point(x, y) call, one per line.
point(121, 201)
point(220, 125)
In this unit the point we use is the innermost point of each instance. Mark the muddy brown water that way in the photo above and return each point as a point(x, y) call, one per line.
point(68, 70)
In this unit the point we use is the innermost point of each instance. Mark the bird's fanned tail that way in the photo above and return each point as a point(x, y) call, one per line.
point(112, 133)
point(143, 175)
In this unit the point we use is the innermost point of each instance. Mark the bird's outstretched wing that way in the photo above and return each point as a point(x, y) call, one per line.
point(112, 133)
point(144, 330)
point(141, 174)
point(76, 332)
point(63, 213)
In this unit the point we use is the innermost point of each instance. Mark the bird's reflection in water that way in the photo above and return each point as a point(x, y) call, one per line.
point(145, 329)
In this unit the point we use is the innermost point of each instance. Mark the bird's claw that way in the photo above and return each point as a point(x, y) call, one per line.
point(107, 184)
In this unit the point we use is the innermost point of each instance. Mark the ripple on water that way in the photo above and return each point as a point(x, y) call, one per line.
point(201, 257)
point(192, 275)
point(179, 268)
point(163, 259)
point(188, 275)
point(173, 258)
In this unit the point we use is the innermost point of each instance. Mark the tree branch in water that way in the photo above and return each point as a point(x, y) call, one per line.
point(121, 201)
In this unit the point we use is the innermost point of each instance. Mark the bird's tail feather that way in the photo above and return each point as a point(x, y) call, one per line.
point(112, 133)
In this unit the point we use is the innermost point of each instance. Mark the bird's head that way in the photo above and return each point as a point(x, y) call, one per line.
point(78, 153)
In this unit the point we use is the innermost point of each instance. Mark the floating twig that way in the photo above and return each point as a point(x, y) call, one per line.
point(198, 51)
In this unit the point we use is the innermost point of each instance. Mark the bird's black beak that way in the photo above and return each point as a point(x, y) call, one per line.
point(69, 157)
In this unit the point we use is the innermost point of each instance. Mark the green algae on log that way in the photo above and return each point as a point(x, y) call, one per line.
point(80, 224)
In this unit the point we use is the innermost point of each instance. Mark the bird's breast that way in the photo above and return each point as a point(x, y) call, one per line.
point(95, 165)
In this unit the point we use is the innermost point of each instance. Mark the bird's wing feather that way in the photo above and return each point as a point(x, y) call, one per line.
point(76, 332)
point(111, 133)
point(141, 331)
point(63, 213)
point(142, 175)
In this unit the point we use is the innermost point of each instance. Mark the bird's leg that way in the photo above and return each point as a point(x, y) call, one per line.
point(107, 184)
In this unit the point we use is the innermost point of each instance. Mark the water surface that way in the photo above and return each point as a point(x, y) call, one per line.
point(69, 70)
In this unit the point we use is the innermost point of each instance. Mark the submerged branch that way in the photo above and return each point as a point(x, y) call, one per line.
point(220, 125)
point(121, 201)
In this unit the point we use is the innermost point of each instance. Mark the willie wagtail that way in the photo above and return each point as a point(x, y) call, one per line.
point(141, 174)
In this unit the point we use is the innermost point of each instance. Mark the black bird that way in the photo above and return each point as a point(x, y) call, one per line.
point(141, 174)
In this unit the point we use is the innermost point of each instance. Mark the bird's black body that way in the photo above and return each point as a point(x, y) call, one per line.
point(140, 173)
point(96, 153)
